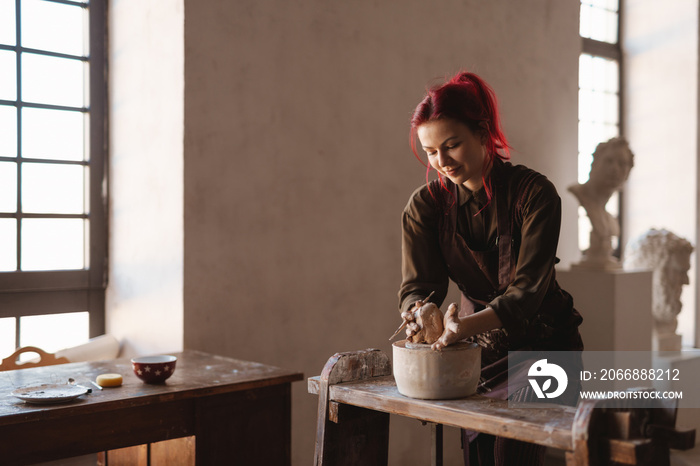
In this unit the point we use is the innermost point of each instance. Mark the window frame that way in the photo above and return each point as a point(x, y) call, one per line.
point(31, 293)
point(612, 51)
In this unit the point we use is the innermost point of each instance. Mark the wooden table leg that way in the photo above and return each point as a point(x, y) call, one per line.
point(345, 434)
point(246, 427)
point(436, 437)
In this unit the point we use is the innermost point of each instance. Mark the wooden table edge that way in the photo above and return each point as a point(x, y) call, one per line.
point(439, 412)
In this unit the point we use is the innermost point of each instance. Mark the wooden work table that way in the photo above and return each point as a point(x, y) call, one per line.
point(357, 393)
point(238, 411)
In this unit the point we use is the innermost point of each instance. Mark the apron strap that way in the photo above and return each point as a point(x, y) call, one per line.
point(504, 239)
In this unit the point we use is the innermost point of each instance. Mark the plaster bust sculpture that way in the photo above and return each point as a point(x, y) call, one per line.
point(612, 162)
point(668, 256)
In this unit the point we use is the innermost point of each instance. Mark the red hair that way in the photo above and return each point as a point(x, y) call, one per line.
point(468, 99)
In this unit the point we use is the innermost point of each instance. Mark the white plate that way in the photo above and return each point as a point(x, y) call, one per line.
point(49, 393)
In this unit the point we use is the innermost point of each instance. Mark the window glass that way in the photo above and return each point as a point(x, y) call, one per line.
point(46, 129)
point(49, 188)
point(53, 244)
point(598, 107)
point(8, 187)
point(8, 123)
point(8, 34)
point(52, 80)
point(52, 134)
point(599, 20)
point(8, 239)
point(8, 75)
point(599, 121)
point(7, 336)
point(41, 331)
point(54, 27)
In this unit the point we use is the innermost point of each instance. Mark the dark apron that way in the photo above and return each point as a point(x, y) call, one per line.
point(483, 275)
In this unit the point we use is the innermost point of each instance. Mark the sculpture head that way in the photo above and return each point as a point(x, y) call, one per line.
point(612, 162)
point(668, 256)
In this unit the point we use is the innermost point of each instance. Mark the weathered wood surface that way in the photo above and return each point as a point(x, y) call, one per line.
point(349, 435)
point(549, 427)
point(234, 397)
point(598, 432)
point(196, 374)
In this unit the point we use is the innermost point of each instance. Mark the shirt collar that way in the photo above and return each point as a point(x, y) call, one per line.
point(465, 194)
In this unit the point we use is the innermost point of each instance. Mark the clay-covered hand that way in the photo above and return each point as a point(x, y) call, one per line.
point(453, 328)
point(427, 325)
point(409, 318)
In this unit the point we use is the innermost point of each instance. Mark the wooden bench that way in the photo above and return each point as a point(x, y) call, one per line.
point(357, 394)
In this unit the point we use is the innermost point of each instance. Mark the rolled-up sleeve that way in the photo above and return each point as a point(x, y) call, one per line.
point(423, 268)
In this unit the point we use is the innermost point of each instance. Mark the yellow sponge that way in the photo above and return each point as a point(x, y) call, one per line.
point(109, 380)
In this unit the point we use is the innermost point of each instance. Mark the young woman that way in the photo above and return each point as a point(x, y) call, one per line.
point(492, 228)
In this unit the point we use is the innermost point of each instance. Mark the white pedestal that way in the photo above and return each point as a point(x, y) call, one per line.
point(666, 342)
point(615, 305)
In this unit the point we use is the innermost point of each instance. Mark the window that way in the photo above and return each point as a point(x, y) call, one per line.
point(599, 94)
point(52, 172)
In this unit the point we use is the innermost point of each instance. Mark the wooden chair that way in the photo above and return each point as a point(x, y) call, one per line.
point(45, 359)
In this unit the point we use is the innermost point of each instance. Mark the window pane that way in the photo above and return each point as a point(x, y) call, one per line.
point(598, 106)
point(599, 73)
point(8, 239)
point(52, 134)
point(585, 21)
point(55, 331)
point(8, 33)
point(8, 187)
point(53, 244)
point(612, 110)
point(52, 80)
point(584, 229)
point(599, 20)
point(610, 22)
point(8, 131)
point(585, 107)
point(53, 189)
point(612, 83)
point(53, 26)
point(585, 71)
point(586, 144)
point(8, 75)
point(7, 336)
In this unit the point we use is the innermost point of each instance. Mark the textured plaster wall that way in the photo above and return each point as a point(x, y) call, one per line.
point(661, 116)
point(144, 297)
point(297, 165)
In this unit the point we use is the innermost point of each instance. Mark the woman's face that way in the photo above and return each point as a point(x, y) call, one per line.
point(454, 150)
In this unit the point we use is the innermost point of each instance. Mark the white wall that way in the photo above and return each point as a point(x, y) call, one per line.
point(144, 296)
point(297, 165)
point(661, 118)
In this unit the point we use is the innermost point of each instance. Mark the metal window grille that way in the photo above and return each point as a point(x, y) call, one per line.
point(34, 291)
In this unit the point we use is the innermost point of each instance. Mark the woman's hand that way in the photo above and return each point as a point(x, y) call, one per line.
point(409, 316)
point(453, 329)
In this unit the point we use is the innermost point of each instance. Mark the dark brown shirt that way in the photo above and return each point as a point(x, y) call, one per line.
point(537, 228)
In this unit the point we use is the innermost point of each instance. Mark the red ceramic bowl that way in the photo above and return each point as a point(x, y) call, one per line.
point(154, 369)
